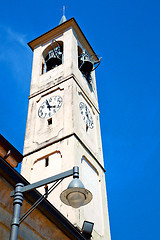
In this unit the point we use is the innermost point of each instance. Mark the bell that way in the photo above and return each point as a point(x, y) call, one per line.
point(86, 64)
point(54, 58)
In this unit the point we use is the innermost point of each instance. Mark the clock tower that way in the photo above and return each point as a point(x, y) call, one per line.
point(63, 128)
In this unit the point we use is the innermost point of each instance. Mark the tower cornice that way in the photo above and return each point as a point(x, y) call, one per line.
point(53, 141)
point(47, 89)
point(54, 32)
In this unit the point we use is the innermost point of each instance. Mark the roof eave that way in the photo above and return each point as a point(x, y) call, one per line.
point(8, 146)
point(58, 30)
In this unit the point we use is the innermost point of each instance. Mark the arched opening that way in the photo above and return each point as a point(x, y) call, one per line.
point(52, 56)
point(85, 63)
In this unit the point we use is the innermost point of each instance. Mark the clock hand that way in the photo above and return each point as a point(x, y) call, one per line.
point(48, 105)
point(52, 106)
point(86, 111)
point(87, 114)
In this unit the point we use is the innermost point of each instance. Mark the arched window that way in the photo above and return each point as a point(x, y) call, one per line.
point(52, 56)
point(85, 63)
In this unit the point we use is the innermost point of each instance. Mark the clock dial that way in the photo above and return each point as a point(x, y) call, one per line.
point(86, 115)
point(50, 106)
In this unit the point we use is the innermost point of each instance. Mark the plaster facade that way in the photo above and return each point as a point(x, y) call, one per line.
point(67, 141)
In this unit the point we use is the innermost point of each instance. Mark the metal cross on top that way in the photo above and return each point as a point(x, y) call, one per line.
point(63, 9)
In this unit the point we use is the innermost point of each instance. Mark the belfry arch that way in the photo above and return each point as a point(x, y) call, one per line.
point(52, 56)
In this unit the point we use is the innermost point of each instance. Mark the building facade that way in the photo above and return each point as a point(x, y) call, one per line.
point(45, 222)
point(63, 128)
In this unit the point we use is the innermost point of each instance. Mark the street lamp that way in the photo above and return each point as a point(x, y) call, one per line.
point(75, 195)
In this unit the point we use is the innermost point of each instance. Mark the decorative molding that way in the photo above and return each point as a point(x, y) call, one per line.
point(45, 156)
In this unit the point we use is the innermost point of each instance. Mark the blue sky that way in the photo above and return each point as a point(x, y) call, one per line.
point(127, 35)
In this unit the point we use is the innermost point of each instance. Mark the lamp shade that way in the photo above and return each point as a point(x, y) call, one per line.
point(76, 195)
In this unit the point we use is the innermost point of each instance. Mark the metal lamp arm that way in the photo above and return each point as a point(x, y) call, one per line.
point(45, 195)
point(18, 197)
point(46, 181)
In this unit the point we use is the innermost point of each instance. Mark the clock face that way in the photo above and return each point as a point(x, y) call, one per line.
point(50, 106)
point(86, 115)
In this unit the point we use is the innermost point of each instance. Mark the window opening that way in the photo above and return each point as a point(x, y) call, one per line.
point(53, 56)
point(46, 190)
point(87, 63)
point(46, 162)
point(50, 121)
point(86, 127)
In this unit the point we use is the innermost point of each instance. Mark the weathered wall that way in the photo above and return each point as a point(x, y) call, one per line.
point(68, 141)
point(35, 227)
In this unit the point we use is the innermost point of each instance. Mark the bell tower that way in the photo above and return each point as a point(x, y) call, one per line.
point(63, 128)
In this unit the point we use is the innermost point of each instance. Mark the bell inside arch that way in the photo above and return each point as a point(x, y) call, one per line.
point(53, 58)
point(86, 66)
point(86, 63)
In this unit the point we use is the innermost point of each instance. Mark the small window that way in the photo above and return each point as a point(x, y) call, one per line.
point(50, 121)
point(46, 190)
point(86, 127)
point(46, 162)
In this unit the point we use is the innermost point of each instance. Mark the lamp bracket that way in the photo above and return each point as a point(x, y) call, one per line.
point(45, 181)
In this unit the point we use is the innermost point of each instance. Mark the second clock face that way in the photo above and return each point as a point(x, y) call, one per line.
point(86, 115)
point(50, 106)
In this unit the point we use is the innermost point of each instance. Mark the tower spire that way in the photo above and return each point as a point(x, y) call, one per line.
point(63, 19)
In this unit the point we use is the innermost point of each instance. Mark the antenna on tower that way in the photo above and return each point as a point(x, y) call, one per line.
point(63, 19)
